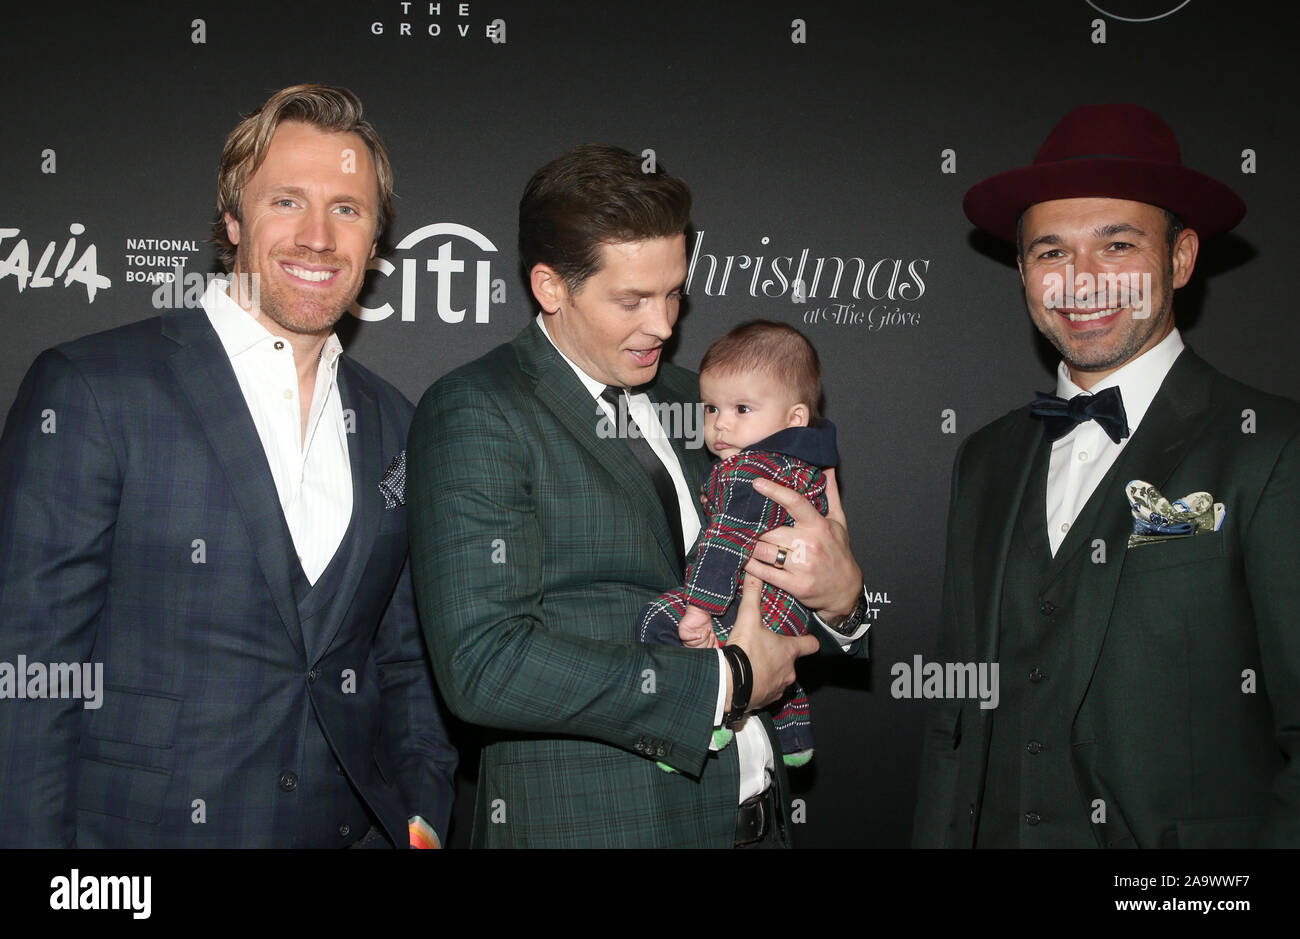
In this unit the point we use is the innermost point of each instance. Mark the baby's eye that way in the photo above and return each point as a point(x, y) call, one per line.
point(743, 409)
point(710, 409)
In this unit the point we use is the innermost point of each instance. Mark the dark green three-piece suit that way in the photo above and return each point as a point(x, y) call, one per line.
point(1166, 711)
point(535, 545)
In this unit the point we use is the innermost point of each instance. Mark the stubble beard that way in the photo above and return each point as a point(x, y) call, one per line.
point(280, 303)
point(1133, 342)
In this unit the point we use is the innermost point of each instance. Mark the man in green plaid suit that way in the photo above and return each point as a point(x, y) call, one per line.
point(537, 539)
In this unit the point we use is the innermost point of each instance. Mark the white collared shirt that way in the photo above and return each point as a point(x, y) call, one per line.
point(1083, 457)
point(753, 748)
point(312, 475)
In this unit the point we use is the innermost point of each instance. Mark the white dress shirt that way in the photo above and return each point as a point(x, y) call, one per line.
point(1082, 458)
point(313, 477)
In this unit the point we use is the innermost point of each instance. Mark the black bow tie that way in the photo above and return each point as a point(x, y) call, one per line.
point(1059, 416)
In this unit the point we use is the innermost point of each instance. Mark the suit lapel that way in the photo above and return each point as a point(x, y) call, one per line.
point(564, 395)
point(203, 372)
point(365, 453)
point(1156, 449)
point(1006, 488)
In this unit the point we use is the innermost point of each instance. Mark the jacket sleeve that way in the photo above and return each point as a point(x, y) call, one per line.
point(939, 746)
point(500, 661)
point(1271, 557)
point(414, 731)
point(60, 486)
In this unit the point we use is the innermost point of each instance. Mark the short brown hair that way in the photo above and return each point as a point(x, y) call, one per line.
point(596, 194)
point(775, 349)
point(326, 107)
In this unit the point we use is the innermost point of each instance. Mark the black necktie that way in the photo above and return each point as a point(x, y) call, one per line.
point(1059, 416)
point(651, 463)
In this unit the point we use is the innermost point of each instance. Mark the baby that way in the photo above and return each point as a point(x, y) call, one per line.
point(760, 385)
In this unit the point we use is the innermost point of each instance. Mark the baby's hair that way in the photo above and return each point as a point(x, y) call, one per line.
point(776, 349)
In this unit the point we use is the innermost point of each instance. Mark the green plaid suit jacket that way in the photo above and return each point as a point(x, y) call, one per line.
point(535, 544)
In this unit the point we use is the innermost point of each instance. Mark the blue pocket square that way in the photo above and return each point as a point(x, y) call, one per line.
point(1155, 518)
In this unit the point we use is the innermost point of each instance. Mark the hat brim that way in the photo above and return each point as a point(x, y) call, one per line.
point(1202, 202)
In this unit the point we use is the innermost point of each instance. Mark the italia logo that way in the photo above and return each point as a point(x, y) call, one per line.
point(71, 267)
point(459, 283)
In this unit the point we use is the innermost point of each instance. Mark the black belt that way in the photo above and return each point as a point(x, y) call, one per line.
point(756, 817)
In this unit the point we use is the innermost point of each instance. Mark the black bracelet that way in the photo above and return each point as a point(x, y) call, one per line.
point(742, 683)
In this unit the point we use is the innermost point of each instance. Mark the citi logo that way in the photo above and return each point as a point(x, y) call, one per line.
point(460, 282)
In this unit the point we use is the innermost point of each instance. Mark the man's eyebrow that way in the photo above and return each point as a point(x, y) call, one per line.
point(1117, 228)
point(1043, 240)
point(302, 193)
point(636, 292)
point(1104, 231)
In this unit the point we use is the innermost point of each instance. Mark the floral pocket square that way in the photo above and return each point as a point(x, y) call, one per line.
point(393, 485)
point(1155, 518)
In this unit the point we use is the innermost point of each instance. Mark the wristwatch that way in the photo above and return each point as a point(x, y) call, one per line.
point(850, 624)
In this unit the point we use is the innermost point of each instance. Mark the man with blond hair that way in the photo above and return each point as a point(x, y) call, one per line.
point(206, 509)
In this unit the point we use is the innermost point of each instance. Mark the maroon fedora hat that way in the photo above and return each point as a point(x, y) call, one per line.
point(1114, 151)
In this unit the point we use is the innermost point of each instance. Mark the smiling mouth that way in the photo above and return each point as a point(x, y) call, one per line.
point(1075, 316)
point(307, 274)
point(645, 355)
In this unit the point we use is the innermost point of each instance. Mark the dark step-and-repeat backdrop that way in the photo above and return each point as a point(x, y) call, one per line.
point(827, 143)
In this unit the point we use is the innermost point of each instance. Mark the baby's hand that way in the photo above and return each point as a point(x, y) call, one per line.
point(696, 629)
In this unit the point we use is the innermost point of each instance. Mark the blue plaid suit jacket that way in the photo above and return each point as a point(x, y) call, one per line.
point(140, 528)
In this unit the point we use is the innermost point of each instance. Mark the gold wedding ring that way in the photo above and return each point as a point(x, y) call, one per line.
point(781, 554)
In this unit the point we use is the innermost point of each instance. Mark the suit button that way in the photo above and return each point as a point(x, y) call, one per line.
point(1037, 675)
point(660, 752)
point(288, 781)
point(345, 830)
point(638, 746)
point(313, 675)
point(1032, 818)
point(1047, 608)
point(1034, 746)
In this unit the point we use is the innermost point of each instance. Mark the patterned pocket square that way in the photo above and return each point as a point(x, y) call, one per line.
point(1155, 518)
point(393, 485)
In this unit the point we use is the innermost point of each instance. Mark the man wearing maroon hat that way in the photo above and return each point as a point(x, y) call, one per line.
point(1128, 549)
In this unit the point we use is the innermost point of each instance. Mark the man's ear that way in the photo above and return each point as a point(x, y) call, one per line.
point(1183, 259)
point(374, 246)
point(797, 416)
point(232, 227)
point(1020, 266)
point(548, 287)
